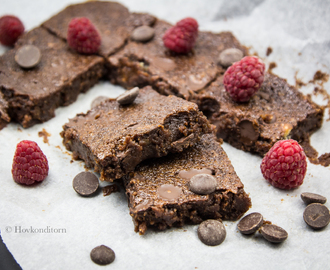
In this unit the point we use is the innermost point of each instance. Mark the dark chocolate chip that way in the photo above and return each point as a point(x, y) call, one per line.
point(128, 96)
point(102, 255)
point(273, 233)
point(143, 33)
point(85, 183)
point(250, 223)
point(28, 56)
point(169, 192)
point(202, 184)
point(189, 174)
point(309, 198)
point(98, 100)
point(211, 232)
point(230, 56)
point(317, 216)
point(248, 133)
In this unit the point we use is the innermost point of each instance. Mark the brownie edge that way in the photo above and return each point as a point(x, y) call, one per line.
point(113, 138)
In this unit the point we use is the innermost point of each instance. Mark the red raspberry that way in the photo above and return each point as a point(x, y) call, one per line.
point(30, 165)
point(181, 37)
point(10, 29)
point(244, 78)
point(284, 166)
point(83, 36)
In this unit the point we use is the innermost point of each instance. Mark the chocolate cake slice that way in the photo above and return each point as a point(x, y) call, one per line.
point(112, 20)
point(32, 95)
point(159, 195)
point(113, 138)
point(275, 112)
point(151, 63)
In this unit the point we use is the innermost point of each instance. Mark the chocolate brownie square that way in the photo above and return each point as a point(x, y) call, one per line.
point(34, 94)
point(159, 195)
point(112, 20)
point(113, 138)
point(275, 112)
point(151, 63)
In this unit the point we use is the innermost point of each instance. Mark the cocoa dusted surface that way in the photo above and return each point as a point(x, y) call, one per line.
point(151, 207)
point(32, 95)
point(275, 112)
point(151, 63)
point(113, 21)
point(114, 138)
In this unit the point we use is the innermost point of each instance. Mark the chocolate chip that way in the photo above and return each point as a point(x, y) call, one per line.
point(247, 131)
point(169, 192)
point(28, 56)
point(317, 216)
point(85, 183)
point(128, 97)
point(250, 223)
point(230, 56)
point(102, 255)
point(309, 198)
point(203, 184)
point(143, 33)
point(97, 101)
point(273, 233)
point(211, 232)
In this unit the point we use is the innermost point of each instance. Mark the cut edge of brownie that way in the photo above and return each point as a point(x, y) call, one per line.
point(148, 209)
point(179, 130)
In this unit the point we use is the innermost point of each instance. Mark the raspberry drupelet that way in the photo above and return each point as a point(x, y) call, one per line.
point(244, 78)
point(30, 165)
point(284, 166)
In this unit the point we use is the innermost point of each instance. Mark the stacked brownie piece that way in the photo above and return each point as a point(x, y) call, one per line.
point(149, 143)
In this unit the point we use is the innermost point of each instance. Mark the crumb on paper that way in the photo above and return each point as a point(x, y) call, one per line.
point(269, 51)
point(107, 190)
point(272, 65)
point(44, 134)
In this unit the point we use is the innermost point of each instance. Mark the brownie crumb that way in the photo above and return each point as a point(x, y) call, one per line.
point(107, 190)
point(269, 51)
point(44, 134)
point(320, 76)
point(324, 159)
point(272, 65)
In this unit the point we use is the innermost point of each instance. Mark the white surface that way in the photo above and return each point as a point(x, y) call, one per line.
point(298, 32)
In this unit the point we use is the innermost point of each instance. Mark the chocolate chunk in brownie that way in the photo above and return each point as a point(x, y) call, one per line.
point(277, 111)
point(114, 138)
point(158, 190)
point(112, 20)
point(34, 94)
point(151, 63)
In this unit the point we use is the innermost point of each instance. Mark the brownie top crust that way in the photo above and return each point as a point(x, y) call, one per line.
point(112, 20)
point(171, 73)
point(207, 154)
point(58, 67)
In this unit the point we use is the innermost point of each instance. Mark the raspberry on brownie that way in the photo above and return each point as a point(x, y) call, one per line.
point(114, 138)
point(159, 196)
point(275, 112)
point(34, 94)
point(11, 28)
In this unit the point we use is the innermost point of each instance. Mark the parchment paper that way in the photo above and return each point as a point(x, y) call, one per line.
point(49, 226)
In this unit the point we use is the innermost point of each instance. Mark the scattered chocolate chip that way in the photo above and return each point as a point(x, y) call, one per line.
point(273, 233)
point(230, 56)
point(309, 198)
point(317, 216)
point(107, 190)
point(203, 184)
point(143, 33)
point(211, 232)
point(85, 183)
point(128, 97)
point(169, 192)
point(250, 223)
point(102, 255)
point(28, 56)
point(98, 100)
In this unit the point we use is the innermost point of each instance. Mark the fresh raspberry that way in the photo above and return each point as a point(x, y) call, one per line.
point(30, 165)
point(181, 37)
point(284, 166)
point(10, 29)
point(83, 36)
point(244, 78)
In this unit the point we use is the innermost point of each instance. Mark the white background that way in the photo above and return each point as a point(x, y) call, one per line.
point(298, 33)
